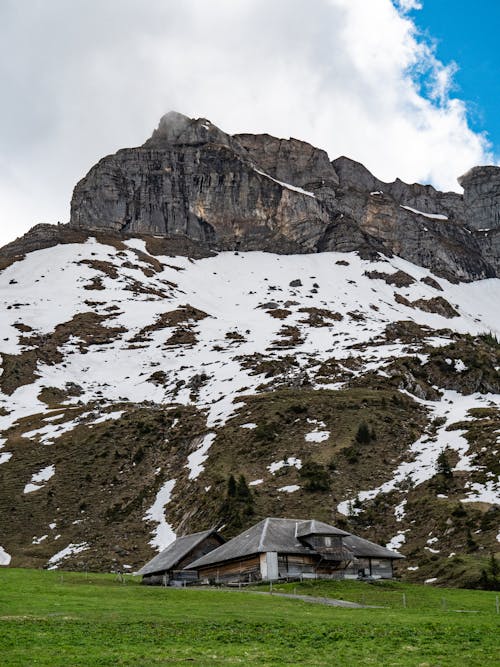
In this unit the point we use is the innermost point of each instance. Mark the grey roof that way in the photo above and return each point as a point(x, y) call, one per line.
point(366, 549)
point(314, 527)
point(174, 553)
point(268, 535)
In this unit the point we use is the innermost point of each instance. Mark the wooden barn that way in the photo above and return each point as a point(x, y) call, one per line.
point(168, 566)
point(288, 548)
point(369, 559)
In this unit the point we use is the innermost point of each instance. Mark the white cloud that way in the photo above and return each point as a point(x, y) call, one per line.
point(408, 5)
point(82, 79)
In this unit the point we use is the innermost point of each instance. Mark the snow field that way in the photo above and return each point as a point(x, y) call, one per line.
point(47, 288)
point(232, 305)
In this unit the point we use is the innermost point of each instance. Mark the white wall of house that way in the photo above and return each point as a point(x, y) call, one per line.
point(269, 566)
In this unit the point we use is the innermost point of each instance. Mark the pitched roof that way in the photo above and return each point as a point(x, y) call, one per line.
point(314, 527)
point(270, 534)
point(174, 553)
point(365, 549)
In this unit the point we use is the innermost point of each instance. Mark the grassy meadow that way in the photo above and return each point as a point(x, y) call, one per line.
point(60, 618)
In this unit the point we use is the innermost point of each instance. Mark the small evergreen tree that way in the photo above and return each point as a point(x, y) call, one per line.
point(315, 477)
point(237, 505)
point(265, 432)
point(490, 576)
point(242, 490)
point(332, 465)
point(494, 566)
point(471, 542)
point(363, 436)
point(231, 487)
point(443, 466)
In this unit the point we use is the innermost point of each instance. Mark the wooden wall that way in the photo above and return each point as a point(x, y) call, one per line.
point(295, 565)
point(374, 567)
point(206, 546)
point(247, 569)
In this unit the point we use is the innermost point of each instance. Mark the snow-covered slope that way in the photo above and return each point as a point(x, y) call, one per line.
point(89, 331)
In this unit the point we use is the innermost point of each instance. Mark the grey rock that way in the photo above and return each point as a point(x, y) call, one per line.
point(42, 236)
point(482, 197)
point(293, 161)
point(269, 305)
point(489, 243)
point(202, 190)
point(432, 283)
point(176, 129)
point(482, 210)
point(191, 179)
point(445, 246)
point(358, 186)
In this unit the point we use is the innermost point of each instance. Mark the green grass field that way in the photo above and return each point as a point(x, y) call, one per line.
point(71, 619)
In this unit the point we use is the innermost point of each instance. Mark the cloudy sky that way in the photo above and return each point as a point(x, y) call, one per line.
point(363, 78)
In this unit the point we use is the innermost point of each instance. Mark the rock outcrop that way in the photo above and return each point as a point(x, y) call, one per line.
point(482, 210)
point(256, 192)
point(482, 197)
point(414, 221)
point(192, 179)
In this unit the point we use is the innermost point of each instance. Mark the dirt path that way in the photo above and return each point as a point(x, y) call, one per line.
point(331, 602)
point(309, 598)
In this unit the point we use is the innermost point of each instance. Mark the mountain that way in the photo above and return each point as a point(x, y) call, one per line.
point(240, 307)
point(246, 192)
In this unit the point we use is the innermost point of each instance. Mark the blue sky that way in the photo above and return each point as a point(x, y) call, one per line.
point(468, 33)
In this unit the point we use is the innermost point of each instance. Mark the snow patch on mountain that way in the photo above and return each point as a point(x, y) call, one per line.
point(317, 436)
point(431, 216)
point(47, 434)
point(288, 186)
point(290, 462)
point(38, 479)
point(5, 558)
point(452, 408)
point(163, 534)
point(489, 492)
point(397, 541)
point(199, 456)
point(70, 550)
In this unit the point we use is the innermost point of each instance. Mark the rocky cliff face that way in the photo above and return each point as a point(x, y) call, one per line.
point(259, 192)
point(193, 181)
point(482, 210)
point(415, 221)
point(482, 197)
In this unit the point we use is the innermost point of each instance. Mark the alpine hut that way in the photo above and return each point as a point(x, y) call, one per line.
point(289, 548)
point(167, 567)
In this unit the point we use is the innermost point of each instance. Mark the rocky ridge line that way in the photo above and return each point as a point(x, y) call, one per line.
point(192, 183)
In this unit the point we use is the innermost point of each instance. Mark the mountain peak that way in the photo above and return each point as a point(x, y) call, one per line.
point(171, 126)
point(191, 179)
point(175, 128)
